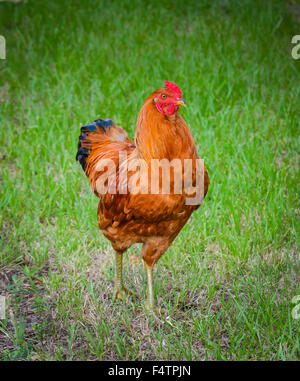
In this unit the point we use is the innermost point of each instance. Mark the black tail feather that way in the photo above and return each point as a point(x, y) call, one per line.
point(83, 152)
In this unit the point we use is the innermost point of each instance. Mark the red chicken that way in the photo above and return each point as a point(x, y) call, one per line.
point(131, 215)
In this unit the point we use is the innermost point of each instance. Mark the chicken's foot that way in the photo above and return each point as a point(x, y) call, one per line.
point(120, 292)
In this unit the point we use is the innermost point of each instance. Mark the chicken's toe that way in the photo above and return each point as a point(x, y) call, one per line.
point(122, 293)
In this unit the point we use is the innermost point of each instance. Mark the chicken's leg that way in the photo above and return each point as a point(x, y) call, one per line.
point(150, 301)
point(120, 291)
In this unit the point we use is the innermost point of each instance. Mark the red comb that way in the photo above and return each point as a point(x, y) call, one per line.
point(174, 88)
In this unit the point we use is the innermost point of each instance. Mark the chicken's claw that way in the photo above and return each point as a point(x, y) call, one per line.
point(122, 292)
point(151, 309)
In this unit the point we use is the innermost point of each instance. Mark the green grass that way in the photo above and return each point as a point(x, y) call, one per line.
point(225, 286)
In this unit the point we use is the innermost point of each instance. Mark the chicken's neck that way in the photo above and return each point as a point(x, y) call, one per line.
point(161, 137)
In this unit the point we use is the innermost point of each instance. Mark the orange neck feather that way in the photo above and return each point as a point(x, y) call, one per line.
point(158, 136)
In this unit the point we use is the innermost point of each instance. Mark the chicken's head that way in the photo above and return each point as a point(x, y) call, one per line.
point(168, 100)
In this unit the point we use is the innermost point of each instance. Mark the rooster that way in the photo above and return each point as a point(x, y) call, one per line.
point(127, 217)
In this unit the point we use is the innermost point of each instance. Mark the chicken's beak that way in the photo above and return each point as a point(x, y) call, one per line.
point(181, 102)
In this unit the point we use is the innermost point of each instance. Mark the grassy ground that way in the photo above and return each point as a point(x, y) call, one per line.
point(225, 286)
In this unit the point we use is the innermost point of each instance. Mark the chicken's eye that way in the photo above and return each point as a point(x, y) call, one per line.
point(164, 96)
